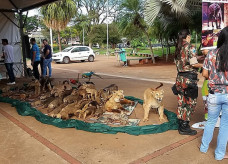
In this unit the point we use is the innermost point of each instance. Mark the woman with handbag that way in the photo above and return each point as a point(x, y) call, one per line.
point(215, 69)
point(186, 81)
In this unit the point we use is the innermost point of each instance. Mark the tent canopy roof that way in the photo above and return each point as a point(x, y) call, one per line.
point(21, 5)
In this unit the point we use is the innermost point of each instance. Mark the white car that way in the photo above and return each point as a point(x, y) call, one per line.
point(74, 53)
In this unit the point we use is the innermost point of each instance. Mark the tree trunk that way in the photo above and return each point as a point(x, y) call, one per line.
point(90, 45)
point(59, 40)
point(150, 45)
point(163, 51)
point(167, 51)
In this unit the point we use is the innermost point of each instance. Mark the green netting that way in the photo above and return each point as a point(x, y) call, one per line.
point(25, 109)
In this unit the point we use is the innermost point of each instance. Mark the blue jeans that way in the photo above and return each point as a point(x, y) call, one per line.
point(47, 63)
point(9, 68)
point(216, 103)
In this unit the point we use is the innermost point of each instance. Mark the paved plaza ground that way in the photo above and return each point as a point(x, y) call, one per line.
point(24, 140)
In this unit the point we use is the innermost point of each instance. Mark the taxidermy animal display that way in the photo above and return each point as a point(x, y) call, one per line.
point(46, 85)
point(55, 103)
point(114, 104)
point(61, 90)
point(153, 98)
point(88, 75)
point(91, 93)
point(73, 97)
point(88, 109)
point(71, 109)
point(109, 89)
point(35, 84)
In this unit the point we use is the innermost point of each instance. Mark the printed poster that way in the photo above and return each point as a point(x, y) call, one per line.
point(214, 18)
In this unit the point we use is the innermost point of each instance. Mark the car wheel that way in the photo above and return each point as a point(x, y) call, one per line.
point(66, 60)
point(91, 58)
point(82, 60)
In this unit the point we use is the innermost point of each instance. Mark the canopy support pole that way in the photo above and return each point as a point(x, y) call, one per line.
point(23, 43)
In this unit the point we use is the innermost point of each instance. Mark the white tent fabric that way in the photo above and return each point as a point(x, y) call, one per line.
point(11, 32)
point(23, 5)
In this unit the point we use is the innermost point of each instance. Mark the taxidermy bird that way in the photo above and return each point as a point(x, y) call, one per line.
point(89, 75)
point(76, 82)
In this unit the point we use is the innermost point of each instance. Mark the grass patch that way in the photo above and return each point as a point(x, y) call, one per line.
point(157, 51)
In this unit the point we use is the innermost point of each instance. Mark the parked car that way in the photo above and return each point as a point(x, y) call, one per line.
point(74, 53)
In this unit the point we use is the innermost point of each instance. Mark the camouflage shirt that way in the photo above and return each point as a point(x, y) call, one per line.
point(217, 81)
point(187, 53)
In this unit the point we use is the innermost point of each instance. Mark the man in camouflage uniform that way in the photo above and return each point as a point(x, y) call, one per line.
point(186, 85)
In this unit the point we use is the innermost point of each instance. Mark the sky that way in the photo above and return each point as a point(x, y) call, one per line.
point(33, 12)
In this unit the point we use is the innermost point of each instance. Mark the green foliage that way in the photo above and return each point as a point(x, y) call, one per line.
point(98, 34)
point(69, 32)
point(57, 15)
point(132, 15)
point(31, 23)
point(114, 35)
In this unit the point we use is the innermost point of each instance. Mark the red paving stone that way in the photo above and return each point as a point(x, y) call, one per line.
point(41, 139)
point(167, 149)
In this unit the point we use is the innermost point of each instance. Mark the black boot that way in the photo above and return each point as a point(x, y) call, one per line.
point(184, 128)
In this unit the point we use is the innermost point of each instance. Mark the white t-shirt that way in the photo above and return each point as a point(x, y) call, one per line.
point(8, 52)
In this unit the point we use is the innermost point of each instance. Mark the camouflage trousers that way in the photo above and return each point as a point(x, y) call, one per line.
point(186, 105)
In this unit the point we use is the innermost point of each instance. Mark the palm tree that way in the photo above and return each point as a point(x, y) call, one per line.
point(131, 14)
point(57, 15)
point(173, 15)
point(169, 11)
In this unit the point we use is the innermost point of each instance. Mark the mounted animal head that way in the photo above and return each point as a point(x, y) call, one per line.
point(117, 96)
point(158, 94)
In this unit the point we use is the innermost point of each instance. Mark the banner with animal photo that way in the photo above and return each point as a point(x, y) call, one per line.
point(214, 19)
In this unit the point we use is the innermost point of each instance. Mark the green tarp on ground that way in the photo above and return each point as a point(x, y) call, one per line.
point(25, 109)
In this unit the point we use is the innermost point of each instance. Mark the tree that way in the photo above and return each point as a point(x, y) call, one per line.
point(93, 12)
point(31, 23)
point(176, 12)
point(132, 14)
point(169, 17)
point(97, 34)
point(68, 33)
point(57, 15)
point(114, 35)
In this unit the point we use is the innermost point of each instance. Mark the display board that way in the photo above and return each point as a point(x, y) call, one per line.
point(214, 18)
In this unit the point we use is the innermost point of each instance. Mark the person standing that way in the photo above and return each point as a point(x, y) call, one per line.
point(47, 58)
point(8, 59)
point(186, 81)
point(215, 69)
point(35, 58)
point(122, 54)
point(41, 59)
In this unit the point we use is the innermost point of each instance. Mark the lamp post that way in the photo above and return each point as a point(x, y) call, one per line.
point(83, 36)
point(107, 29)
point(51, 40)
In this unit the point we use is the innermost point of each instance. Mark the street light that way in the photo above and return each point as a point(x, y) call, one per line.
point(107, 28)
point(83, 36)
point(51, 40)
